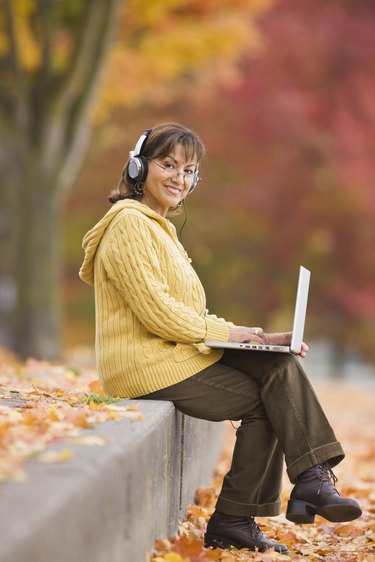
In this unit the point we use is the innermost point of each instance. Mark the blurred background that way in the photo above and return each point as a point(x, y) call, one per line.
point(283, 95)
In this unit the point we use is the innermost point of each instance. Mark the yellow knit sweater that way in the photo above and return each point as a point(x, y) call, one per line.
point(151, 317)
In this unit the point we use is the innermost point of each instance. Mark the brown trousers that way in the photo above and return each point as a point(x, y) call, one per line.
point(280, 416)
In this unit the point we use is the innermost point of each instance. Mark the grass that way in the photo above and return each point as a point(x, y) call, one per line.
point(97, 399)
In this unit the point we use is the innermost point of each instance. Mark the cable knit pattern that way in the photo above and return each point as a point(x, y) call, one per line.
point(151, 317)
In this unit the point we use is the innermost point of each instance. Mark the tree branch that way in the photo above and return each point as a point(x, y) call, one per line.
point(19, 93)
point(42, 78)
point(11, 34)
point(62, 140)
point(46, 32)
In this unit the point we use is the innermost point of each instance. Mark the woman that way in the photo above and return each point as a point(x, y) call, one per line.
point(151, 324)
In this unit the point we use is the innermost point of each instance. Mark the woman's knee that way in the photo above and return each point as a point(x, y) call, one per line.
point(285, 366)
point(288, 361)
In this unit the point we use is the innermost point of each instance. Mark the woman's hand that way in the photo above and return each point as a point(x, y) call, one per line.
point(280, 338)
point(243, 334)
point(285, 338)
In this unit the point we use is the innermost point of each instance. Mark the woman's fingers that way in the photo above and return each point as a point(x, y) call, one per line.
point(304, 350)
point(243, 334)
point(280, 338)
point(258, 335)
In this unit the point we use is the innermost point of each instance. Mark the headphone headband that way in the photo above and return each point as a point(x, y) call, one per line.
point(140, 142)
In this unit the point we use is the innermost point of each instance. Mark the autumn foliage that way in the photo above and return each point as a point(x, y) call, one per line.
point(42, 405)
point(165, 47)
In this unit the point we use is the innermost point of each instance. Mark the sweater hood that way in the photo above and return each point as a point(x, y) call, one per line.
point(94, 236)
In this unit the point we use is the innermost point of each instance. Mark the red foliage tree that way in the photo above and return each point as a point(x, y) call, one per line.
point(297, 135)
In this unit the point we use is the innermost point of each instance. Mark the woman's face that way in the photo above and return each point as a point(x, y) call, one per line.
point(162, 191)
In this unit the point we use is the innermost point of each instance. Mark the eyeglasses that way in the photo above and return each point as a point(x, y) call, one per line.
point(170, 170)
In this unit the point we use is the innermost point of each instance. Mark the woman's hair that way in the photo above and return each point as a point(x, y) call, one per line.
point(160, 142)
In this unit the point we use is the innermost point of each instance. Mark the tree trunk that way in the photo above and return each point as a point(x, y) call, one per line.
point(8, 252)
point(37, 315)
point(43, 138)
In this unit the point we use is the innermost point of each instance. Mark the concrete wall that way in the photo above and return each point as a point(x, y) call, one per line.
point(110, 502)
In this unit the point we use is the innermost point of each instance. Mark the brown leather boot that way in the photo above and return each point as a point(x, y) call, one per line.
point(228, 531)
point(315, 494)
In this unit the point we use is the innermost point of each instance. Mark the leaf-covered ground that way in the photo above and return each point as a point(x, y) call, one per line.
point(351, 411)
point(42, 404)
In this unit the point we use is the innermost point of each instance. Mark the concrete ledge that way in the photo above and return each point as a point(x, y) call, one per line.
point(110, 502)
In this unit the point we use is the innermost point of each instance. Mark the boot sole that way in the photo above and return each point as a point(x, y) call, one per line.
point(221, 542)
point(301, 512)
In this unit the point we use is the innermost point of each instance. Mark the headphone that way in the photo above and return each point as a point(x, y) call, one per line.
point(138, 164)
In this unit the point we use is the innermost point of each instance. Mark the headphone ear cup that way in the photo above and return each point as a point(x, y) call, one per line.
point(138, 169)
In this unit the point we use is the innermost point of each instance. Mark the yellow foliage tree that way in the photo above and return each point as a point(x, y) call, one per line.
point(175, 43)
point(53, 56)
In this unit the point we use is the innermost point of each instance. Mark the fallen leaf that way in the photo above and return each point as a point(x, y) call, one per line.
point(132, 407)
point(173, 557)
point(63, 455)
point(96, 387)
point(87, 440)
point(348, 531)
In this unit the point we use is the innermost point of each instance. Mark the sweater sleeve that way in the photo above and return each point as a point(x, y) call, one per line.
point(133, 266)
point(222, 320)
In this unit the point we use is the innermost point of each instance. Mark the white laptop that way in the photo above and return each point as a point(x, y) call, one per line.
point(298, 324)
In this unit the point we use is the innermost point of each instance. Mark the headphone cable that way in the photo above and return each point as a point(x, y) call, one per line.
point(184, 223)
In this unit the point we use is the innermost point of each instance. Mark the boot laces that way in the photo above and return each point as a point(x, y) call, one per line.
point(325, 473)
point(256, 533)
